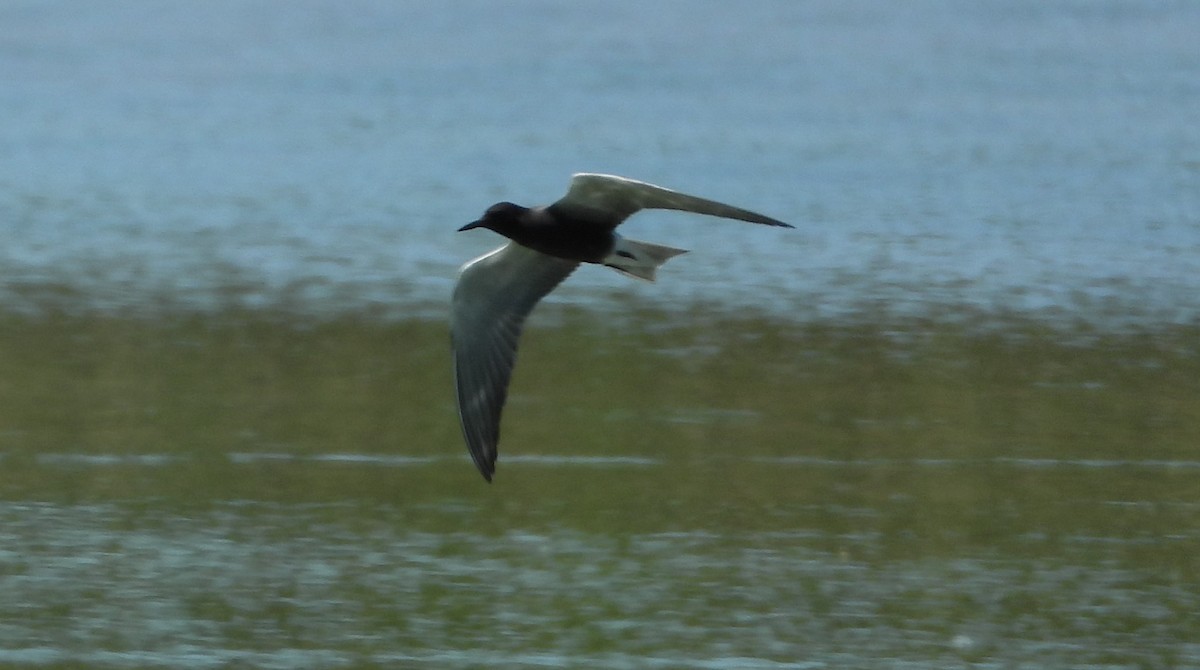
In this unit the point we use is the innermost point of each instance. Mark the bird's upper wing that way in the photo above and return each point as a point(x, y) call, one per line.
point(622, 197)
point(495, 293)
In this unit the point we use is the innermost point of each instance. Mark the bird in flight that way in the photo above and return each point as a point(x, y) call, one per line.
point(496, 291)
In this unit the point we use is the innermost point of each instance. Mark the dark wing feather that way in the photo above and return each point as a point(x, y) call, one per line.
point(495, 293)
point(619, 198)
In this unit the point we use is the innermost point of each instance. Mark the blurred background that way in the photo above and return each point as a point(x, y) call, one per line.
point(950, 420)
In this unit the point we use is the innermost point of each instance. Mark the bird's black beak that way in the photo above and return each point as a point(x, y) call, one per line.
point(471, 225)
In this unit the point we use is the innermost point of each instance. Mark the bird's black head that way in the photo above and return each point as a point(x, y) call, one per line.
point(502, 217)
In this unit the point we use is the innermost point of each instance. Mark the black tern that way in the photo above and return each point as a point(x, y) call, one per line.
point(496, 291)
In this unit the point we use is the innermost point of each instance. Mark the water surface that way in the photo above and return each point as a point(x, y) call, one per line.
point(1031, 156)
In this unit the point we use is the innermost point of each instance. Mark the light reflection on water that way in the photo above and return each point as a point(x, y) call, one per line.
point(557, 460)
point(316, 585)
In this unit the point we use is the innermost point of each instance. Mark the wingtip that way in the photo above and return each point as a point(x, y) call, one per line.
point(773, 222)
point(486, 469)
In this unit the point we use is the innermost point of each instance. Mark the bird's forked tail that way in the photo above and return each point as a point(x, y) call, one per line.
point(639, 259)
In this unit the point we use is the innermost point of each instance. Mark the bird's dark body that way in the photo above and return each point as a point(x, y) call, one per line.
point(554, 230)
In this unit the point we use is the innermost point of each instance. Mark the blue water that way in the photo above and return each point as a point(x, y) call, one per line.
point(1036, 157)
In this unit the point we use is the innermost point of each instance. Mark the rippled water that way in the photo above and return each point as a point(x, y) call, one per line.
point(1032, 156)
point(346, 584)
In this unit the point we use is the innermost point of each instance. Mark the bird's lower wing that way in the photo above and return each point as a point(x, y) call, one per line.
point(494, 294)
point(623, 197)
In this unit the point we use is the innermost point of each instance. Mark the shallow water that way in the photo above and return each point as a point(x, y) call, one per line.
point(341, 585)
point(254, 491)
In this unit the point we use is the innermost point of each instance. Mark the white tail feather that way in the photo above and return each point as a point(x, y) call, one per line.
point(639, 259)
